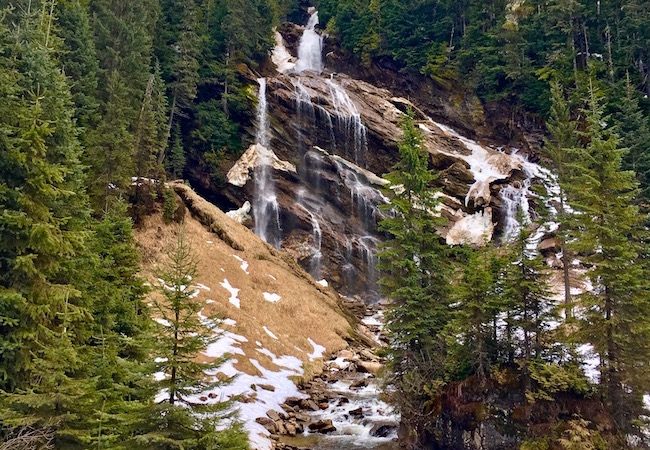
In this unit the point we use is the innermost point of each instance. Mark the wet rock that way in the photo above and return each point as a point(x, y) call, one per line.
point(322, 426)
point(309, 405)
point(382, 430)
point(369, 367)
point(359, 383)
point(356, 412)
point(267, 423)
point(293, 401)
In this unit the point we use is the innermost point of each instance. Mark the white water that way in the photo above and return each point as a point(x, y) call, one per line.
point(516, 209)
point(311, 48)
point(349, 121)
point(265, 203)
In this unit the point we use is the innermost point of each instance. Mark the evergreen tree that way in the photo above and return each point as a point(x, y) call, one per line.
point(110, 152)
point(478, 305)
point(415, 279)
point(176, 161)
point(181, 421)
point(79, 60)
point(530, 309)
point(634, 131)
point(617, 310)
point(561, 149)
point(43, 218)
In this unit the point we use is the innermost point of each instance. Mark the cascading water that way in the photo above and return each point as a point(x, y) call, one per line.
point(349, 121)
point(310, 49)
point(265, 204)
point(516, 209)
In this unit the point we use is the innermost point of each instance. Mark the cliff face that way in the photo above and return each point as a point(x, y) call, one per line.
point(333, 136)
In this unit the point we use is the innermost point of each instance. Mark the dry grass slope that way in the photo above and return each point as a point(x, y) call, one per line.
point(306, 310)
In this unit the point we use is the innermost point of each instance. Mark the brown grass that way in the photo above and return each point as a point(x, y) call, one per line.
point(306, 309)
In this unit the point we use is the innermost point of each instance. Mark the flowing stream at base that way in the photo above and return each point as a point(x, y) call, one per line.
point(363, 420)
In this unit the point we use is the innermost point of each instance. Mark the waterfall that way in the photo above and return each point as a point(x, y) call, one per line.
point(265, 204)
point(316, 261)
point(311, 48)
point(349, 121)
point(516, 207)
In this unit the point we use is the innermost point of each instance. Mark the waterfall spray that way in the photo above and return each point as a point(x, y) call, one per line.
point(265, 203)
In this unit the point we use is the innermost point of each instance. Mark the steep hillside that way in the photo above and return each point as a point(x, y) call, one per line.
point(272, 311)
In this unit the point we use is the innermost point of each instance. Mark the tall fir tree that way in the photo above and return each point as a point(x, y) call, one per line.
point(181, 420)
point(416, 280)
point(44, 219)
point(617, 311)
point(561, 149)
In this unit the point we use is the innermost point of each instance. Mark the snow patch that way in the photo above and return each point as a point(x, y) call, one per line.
point(323, 283)
point(244, 264)
point(271, 297)
point(270, 333)
point(318, 352)
point(234, 293)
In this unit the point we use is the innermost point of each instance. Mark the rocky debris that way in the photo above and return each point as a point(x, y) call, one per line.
point(382, 430)
point(322, 426)
point(241, 215)
point(239, 174)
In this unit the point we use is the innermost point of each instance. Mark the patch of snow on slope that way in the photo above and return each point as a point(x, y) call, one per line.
point(163, 322)
point(234, 293)
point(271, 297)
point(244, 264)
point(318, 352)
point(270, 333)
point(240, 385)
point(323, 283)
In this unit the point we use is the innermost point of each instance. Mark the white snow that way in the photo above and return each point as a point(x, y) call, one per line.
point(272, 277)
point(318, 352)
point(271, 297)
point(240, 385)
point(234, 293)
point(209, 301)
point(270, 333)
point(323, 283)
point(163, 322)
point(244, 264)
point(241, 215)
point(229, 322)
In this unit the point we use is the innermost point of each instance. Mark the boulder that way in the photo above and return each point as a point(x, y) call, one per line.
point(322, 426)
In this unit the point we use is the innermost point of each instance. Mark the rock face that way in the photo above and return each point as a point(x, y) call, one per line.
point(332, 138)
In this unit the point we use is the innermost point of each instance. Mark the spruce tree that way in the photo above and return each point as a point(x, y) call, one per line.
point(530, 308)
point(44, 216)
point(415, 279)
point(560, 148)
point(634, 131)
point(176, 161)
point(616, 311)
point(181, 420)
point(478, 304)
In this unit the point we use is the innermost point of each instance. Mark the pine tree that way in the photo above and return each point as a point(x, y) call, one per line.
point(180, 420)
point(478, 304)
point(617, 311)
point(415, 279)
point(79, 60)
point(634, 131)
point(44, 216)
point(530, 309)
point(176, 161)
point(561, 148)
point(110, 152)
